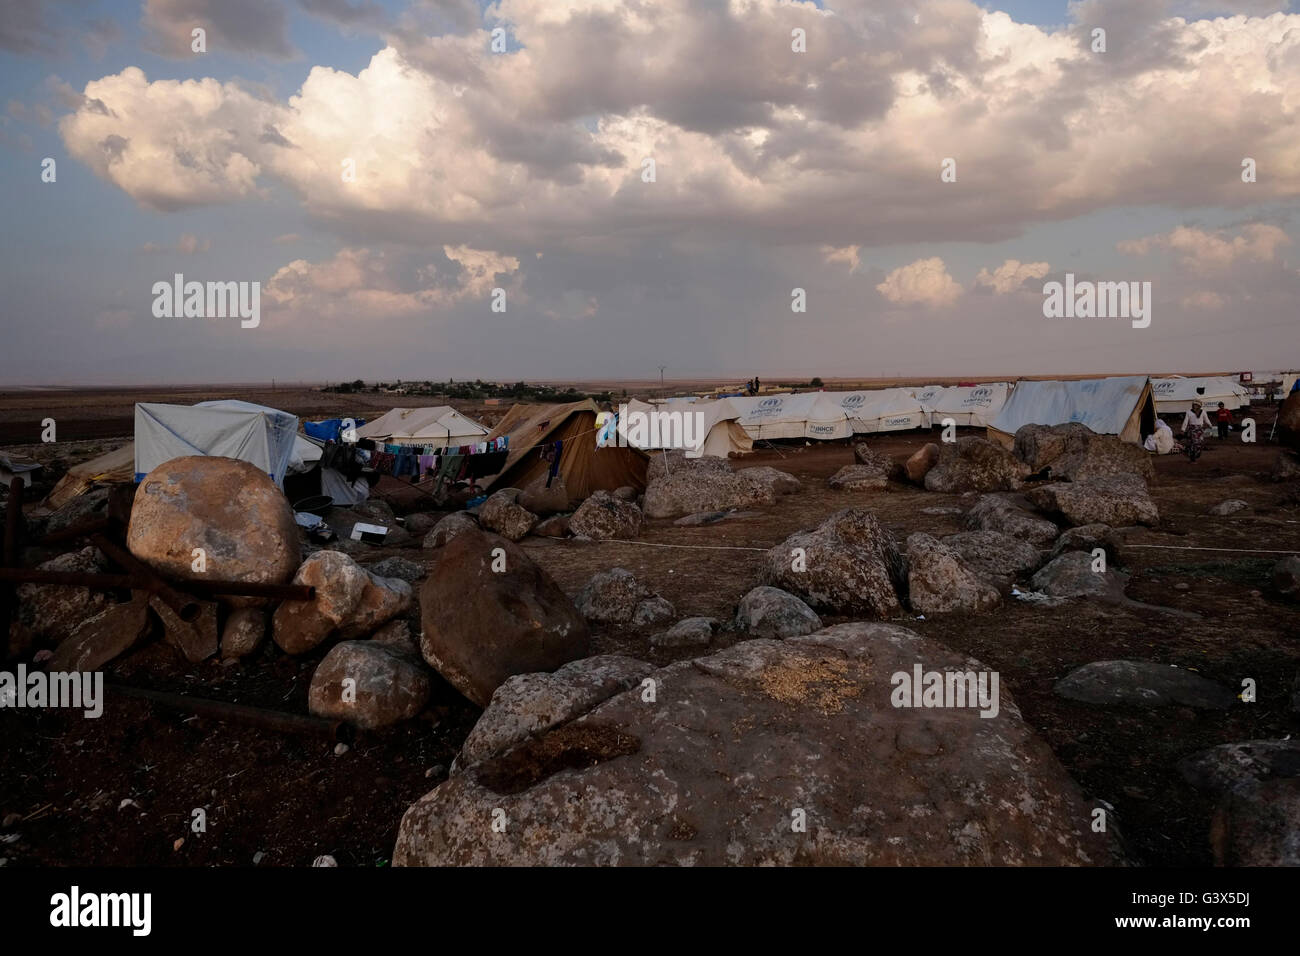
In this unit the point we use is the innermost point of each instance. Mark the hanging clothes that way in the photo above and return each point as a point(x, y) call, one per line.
point(557, 449)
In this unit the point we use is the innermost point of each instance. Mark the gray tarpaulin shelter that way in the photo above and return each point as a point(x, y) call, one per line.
point(1120, 406)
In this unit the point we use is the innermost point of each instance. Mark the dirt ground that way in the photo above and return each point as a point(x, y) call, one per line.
point(122, 789)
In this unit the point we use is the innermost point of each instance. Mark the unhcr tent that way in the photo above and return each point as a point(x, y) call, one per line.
point(438, 425)
point(976, 405)
point(262, 436)
point(1175, 395)
point(1109, 406)
point(713, 428)
point(584, 467)
point(879, 410)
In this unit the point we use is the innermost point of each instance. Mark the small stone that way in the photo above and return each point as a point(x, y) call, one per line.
point(324, 860)
point(340, 749)
point(180, 842)
point(257, 857)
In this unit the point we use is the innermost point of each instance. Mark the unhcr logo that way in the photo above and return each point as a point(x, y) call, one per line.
point(653, 429)
point(982, 394)
point(853, 401)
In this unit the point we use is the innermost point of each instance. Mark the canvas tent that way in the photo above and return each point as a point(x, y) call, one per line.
point(976, 405)
point(1175, 395)
point(1120, 406)
point(112, 467)
point(584, 467)
point(715, 433)
point(438, 425)
point(829, 415)
point(262, 436)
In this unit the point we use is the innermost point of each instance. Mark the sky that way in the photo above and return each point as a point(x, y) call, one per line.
point(419, 197)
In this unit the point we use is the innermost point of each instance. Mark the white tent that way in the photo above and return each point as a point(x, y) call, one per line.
point(262, 436)
point(974, 405)
point(1109, 406)
point(716, 432)
point(879, 410)
point(829, 415)
point(1175, 395)
point(438, 425)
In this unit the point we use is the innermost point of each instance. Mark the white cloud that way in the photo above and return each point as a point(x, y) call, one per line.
point(1011, 275)
point(923, 282)
point(847, 254)
point(1202, 250)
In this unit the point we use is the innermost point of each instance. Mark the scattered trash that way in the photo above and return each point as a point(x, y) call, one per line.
point(324, 860)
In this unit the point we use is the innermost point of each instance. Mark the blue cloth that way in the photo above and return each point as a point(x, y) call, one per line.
point(329, 429)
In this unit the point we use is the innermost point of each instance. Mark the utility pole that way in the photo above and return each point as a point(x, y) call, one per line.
point(661, 375)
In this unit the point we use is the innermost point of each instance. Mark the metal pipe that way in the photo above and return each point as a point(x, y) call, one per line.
point(185, 607)
point(91, 579)
point(82, 529)
point(283, 592)
point(336, 730)
point(9, 558)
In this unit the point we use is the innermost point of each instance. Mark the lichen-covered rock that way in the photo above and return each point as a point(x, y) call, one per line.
point(541, 500)
point(974, 464)
point(501, 514)
point(702, 776)
point(448, 528)
point(994, 556)
point(858, 478)
point(1257, 787)
point(1143, 684)
point(688, 491)
point(1075, 452)
point(996, 513)
point(349, 602)
point(688, 632)
point(603, 517)
point(921, 461)
point(939, 581)
point(773, 479)
point(368, 685)
point(51, 612)
point(1117, 500)
point(617, 597)
point(1072, 574)
point(243, 632)
point(847, 565)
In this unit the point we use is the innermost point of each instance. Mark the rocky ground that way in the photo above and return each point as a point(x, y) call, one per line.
point(122, 789)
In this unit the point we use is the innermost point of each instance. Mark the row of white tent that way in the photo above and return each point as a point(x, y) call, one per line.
point(1107, 405)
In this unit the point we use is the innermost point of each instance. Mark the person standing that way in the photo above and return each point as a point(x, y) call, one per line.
point(1223, 418)
point(1195, 422)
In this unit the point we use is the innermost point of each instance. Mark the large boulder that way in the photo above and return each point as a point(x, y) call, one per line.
point(49, 613)
point(1286, 467)
point(773, 479)
point(974, 464)
point(864, 454)
point(858, 478)
point(482, 625)
point(1075, 452)
point(368, 684)
point(702, 775)
point(939, 581)
point(847, 565)
point(1256, 785)
point(602, 517)
point(997, 513)
point(529, 704)
point(349, 602)
point(1288, 422)
point(1071, 575)
point(1286, 576)
point(501, 514)
point(994, 556)
point(772, 613)
point(1142, 684)
point(617, 597)
point(921, 461)
point(688, 632)
point(1117, 500)
point(674, 460)
point(1085, 537)
point(448, 528)
point(693, 489)
point(541, 500)
point(228, 508)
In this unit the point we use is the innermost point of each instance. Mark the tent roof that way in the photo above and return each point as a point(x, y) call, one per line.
point(1179, 389)
point(1106, 405)
point(254, 433)
point(432, 423)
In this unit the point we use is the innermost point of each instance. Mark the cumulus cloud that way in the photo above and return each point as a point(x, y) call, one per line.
point(847, 255)
point(1011, 275)
point(923, 282)
point(238, 27)
point(1201, 250)
point(364, 284)
point(749, 138)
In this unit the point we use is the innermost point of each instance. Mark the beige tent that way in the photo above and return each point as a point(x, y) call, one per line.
point(115, 466)
point(584, 467)
point(438, 425)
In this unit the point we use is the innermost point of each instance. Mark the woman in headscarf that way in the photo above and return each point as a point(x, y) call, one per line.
point(1195, 422)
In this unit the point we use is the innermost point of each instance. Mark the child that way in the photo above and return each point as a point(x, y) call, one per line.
point(1224, 418)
